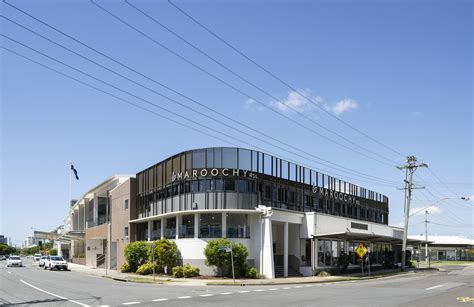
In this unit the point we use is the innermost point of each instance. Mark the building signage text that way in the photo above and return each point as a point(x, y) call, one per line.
point(213, 172)
point(335, 195)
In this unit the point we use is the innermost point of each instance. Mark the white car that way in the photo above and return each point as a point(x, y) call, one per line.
point(55, 262)
point(37, 257)
point(41, 262)
point(14, 261)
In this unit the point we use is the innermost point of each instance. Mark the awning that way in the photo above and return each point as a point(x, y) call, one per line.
point(69, 236)
point(365, 237)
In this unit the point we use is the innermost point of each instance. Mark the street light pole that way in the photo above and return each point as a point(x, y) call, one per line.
point(426, 237)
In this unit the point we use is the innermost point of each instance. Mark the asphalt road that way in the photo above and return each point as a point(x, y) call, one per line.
point(31, 286)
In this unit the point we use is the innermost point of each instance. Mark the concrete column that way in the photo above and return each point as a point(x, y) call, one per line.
point(315, 251)
point(149, 230)
point(162, 228)
point(285, 249)
point(268, 267)
point(177, 227)
point(58, 247)
point(224, 225)
point(196, 225)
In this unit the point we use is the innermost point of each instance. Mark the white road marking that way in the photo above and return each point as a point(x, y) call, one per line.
point(273, 289)
point(52, 294)
point(431, 288)
point(9, 272)
point(206, 295)
point(259, 290)
point(297, 287)
point(183, 297)
point(285, 288)
point(307, 286)
point(131, 303)
point(244, 291)
point(160, 300)
point(226, 293)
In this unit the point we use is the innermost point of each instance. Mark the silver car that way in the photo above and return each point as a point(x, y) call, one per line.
point(14, 261)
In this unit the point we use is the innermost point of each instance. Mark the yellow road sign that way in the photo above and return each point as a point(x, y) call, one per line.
point(361, 250)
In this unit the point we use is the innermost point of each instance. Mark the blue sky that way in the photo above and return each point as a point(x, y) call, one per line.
point(400, 71)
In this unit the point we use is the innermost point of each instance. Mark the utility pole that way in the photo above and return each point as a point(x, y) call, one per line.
point(410, 168)
point(426, 236)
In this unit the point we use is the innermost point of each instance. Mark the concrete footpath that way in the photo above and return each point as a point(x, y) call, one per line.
point(202, 281)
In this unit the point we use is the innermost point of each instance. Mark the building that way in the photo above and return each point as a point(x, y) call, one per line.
point(446, 248)
point(89, 236)
point(292, 219)
point(3, 240)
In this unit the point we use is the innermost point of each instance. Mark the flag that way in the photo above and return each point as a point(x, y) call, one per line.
point(74, 171)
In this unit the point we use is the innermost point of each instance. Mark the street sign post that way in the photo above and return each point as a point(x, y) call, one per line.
point(228, 249)
point(152, 250)
point(361, 250)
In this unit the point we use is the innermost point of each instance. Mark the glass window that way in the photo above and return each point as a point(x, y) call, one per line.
point(186, 229)
point(210, 225)
point(188, 162)
point(210, 158)
point(195, 186)
point(219, 185)
point(238, 226)
point(243, 186)
point(307, 176)
point(229, 157)
point(125, 205)
point(254, 161)
point(199, 158)
point(170, 229)
point(268, 164)
point(292, 172)
point(169, 171)
point(284, 169)
point(176, 164)
point(229, 184)
point(245, 159)
point(218, 157)
point(156, 230)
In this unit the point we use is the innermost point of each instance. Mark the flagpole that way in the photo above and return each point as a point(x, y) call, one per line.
point(70, 185)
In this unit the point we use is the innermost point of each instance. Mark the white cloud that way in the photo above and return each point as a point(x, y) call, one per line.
point(342, 106)
point(297, 101)
point(252, 104)
point(421, 210)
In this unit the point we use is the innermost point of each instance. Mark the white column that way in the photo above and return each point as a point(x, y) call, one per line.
point(162, 228)
point(196, 225)
point(268, 268)
point(224, 225)
point(285, 249)
point(177, 227)
point(316, 256)
point(149, 230)
point(58, 246)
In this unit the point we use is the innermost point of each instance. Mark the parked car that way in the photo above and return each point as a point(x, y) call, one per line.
point(41, 262)
point(14, 261)
point(37, 257)
point(3, 258)
point(55, 262)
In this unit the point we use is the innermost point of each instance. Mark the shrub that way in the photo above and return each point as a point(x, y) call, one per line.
point(53, 252)
point(190, 271)
point(222, 260)
point(166, 253)
point(147, 268)
point(343, 262)
point(125, 268)
point(178, 271)
point(136, 253)
point(252, 272)
point(185, 271)
point(324, 274)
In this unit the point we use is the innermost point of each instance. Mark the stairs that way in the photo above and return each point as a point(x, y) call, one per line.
point(291, 272)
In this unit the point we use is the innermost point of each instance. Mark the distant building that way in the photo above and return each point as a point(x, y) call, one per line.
point(3, 239)
point(447, 248)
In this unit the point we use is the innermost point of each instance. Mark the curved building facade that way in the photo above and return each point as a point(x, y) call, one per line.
point(286, 214)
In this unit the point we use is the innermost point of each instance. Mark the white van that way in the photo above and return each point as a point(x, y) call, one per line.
point(37, 257)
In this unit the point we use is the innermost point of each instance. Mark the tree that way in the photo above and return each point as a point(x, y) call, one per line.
point(136, 253)
point(166, 254)
point(222, 259)
point(7, 249)
point(53, 252)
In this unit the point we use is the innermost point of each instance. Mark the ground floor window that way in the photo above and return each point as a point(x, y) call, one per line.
point(329, 251)
point(210, 225)
point(237, 226)
point(186, 229)
point(170, 230)
point(156, 230)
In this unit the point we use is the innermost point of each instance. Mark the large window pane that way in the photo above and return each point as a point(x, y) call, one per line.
point(170, 230)
point(245, 159)
point(218, 157)
point(292, 172)
point(210, 157)
point(229, 157)
point(199, 158)
point(210, 225)
point(238, 226)
point(268, 164)
point(284, 170)
point(156, 231)
point(229, 184)
point(254, 161)
point(186, 229)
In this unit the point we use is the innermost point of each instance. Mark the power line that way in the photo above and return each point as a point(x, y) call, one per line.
point(194, 101)
point(149, 102)
point(459, 226)
point(281, 80)
point(232, 86)
point(249, 82)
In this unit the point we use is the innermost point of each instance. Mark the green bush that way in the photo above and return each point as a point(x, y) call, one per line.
point(136, 252)
point(185, 271)
point(222, 260)
point(147, 268)
point(252, 272)
point(125, 268)
point(190, 271)
point(166, 253)
point(178, 271)
point(53, 252)
point(324, 274)
point(343, 262)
